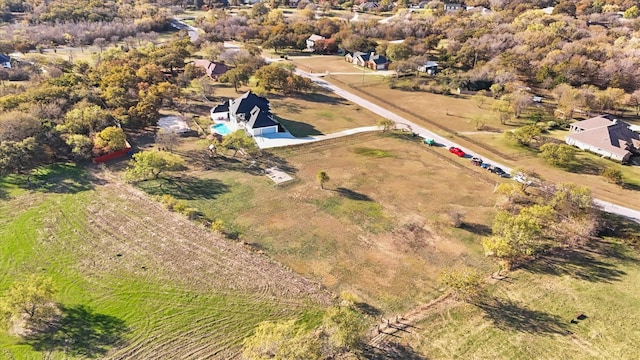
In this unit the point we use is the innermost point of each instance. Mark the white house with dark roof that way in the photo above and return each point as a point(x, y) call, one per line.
point(370, 60)
point(451, 7)
point(249, 112)
point(430, 67)
point(357, 58)
point(311, 41)
point(606, 136)
point(378, 62)
point(5, 61)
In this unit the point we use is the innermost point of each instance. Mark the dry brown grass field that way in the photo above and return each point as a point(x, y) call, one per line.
point(379, 229)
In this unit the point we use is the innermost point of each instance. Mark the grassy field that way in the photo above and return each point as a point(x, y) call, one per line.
point(311, 114)
point(455, 117)
point(528, 316)
point(388, 197)
point(134, 280)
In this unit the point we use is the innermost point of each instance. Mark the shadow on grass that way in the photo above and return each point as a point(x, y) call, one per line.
point(576, 263)
point(478, 229)
point(269, 159)
point(634, 187)
point(584, 166)
point(624, 229)
point(509, 315)
point(4, 195)
point(352, 195)
point(289, 107)
point(392, 350)
point(80, 332)
point(297, 128)
point(368, 309)
point(324, 99)
point(184, 187)
point(62, 178)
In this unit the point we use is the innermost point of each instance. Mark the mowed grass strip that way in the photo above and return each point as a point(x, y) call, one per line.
point(149, 278)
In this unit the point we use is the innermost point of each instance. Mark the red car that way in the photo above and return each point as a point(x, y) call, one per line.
point(457, 151)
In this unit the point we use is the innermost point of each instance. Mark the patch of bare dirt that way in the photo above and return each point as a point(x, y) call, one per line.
point(134, 233)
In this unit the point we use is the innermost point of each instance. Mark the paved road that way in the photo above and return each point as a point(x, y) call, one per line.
point(425, 133)
point(180, 25)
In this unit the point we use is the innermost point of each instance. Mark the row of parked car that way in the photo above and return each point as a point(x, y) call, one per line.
point(479, 162)
point(476, 161)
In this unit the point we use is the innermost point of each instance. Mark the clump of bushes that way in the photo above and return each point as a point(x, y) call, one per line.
point(181, 207)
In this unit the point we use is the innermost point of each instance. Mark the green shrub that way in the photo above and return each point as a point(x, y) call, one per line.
point(612, 175)
point(179, 207)
point(191, 213)
point(168, 201)
point(218, 226)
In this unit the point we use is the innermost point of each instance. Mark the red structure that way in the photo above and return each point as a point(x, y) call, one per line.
point(113, 155)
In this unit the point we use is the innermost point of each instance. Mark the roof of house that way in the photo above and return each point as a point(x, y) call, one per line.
point(363, 55)
point(246, 102)
point(4, 58)
point(430, 64)
point(315, 37)
point(256, 110)
point(212, 68)
point(379, 59)
point(594, 122)
point(612, 136)
point(480, 9)
point(224, 107)
point(369, 5)
point(260, 119)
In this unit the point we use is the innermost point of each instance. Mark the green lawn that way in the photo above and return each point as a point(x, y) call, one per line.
point(119, 296)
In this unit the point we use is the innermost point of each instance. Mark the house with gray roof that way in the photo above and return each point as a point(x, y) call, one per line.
point(378, 62)
point(249, 112)
point(370, 60)
point(429, 67)
point(357, 58)
point(606, 136)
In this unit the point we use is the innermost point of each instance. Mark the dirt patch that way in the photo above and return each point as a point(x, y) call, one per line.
point(125, 237)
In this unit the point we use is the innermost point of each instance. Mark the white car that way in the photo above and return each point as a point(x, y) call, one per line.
point(521, 178)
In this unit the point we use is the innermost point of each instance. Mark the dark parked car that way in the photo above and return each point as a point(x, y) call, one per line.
point(498, 171)
point(476, 161)
point(457, 151)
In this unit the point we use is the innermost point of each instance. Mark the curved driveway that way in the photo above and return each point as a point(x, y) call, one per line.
point(425, 133)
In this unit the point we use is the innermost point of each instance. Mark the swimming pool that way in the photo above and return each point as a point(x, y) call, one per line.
point(221, 129)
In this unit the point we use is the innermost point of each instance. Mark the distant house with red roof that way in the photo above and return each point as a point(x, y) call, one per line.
point(213, 69)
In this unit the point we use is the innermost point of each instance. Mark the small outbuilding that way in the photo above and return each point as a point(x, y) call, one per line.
point(5, 61)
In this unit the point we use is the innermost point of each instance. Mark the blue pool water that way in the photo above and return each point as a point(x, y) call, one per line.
point(221, 129)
